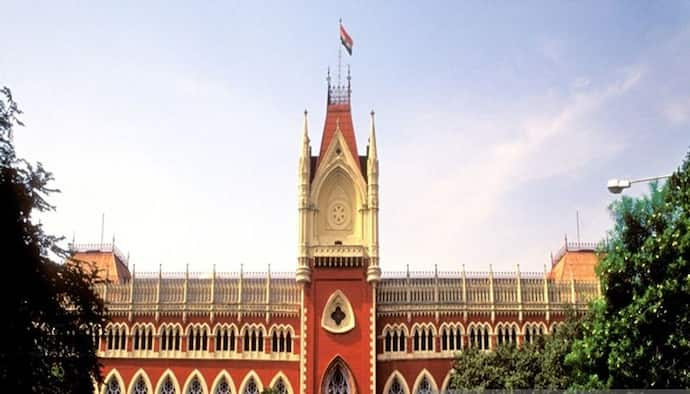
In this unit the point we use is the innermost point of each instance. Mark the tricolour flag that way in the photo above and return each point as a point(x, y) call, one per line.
point(346, 40)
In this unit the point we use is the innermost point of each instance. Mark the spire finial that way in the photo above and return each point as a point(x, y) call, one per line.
point(372, 139)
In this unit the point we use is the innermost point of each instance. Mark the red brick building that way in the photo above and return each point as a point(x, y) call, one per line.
point(336, 325)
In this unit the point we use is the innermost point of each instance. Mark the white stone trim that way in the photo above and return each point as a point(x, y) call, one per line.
point(401, 379)
point(228, 326)
point(394, 356)
point(216, 381)
point(168, 326)
point(195, 373)
point(251, 374)
point(535, 324)
point(167, 373)
point(303, 346)
point(201, 355)
point(281, 327)
point(348, 164)
point(198, 326)
point(446, 381)
point(247, 326)
point(429, 376)
point(396, 327)
point(113, 374)
point(372, 340)
point(338, 298)
point(147, 380)
point(281, 375)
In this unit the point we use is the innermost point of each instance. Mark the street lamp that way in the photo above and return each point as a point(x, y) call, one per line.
point(617, 185)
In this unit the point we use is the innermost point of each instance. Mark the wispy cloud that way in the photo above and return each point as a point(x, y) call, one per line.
point(678, 111)
point(541, 143)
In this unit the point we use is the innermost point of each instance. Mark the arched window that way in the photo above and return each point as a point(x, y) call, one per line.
point(424, 387)
point(402, 341)
point(288, 342)
point(167, 387)
point(251, 387)
point(336, 383)
point(395, 341)
point(223, 387)
point(197, 339)
point(387, 346)
point(170, 338)
point(195, 387)
point(415, 346)
point(113, 386)
point(396, 387)
point(280, 387)
point(140, 386)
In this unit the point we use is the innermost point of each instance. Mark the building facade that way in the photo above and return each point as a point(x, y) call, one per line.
point(337, 324)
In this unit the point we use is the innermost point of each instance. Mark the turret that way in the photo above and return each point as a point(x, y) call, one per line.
point(373, 271)
point(303, 273)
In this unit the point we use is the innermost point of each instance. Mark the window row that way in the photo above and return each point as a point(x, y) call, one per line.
point(453, 337)
point(198, 338)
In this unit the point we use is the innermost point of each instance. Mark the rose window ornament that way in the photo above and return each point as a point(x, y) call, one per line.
point(338, 213)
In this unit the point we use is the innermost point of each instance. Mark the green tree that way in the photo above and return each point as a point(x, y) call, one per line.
point(52, 311)
point(639, 332)
point(538, 365)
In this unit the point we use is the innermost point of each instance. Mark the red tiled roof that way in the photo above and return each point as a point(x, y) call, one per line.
point(339, 113)
point(580, 263)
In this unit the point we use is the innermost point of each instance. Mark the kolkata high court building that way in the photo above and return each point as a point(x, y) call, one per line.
point(339, 323)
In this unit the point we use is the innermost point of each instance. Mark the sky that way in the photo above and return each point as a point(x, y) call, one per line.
point(497, 122)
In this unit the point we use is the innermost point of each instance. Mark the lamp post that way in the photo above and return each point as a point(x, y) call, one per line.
point(617, 185)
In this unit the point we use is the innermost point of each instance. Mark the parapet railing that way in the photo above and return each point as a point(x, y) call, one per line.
point(215, 292)
point(407, 292)
point(570, 246)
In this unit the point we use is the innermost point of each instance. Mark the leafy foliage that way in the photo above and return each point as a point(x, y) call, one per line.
point(638, 335)
point(537, 365)
point(52, 311)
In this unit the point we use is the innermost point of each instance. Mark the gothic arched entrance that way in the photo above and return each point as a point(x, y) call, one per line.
point(338, 379)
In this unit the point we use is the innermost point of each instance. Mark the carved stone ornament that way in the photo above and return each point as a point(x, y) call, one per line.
point(338, 317)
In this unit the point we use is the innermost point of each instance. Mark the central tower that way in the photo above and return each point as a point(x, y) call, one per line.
point(338, 194)
point(338, 253)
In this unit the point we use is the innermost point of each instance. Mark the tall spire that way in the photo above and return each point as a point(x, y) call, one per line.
point(373, 154)
point(305, 137)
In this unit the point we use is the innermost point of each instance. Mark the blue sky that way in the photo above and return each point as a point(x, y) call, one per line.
point(496, 121)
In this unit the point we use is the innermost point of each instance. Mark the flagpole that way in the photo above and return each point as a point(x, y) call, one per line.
point(340, 49)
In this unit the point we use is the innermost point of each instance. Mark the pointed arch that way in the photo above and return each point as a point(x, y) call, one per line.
point(250, 375)
point(346, 162)
point(197, 326)
point(219, 379)
point(446, 381)
point(335, 367)
point(401, 380)
point(424, 374)
point(170, 326)
point(338, 301)
point(168, 373)
point(279, 327)
point(113, 374)
point(200, 377)
point(281, 376)
point(145, 377)
point(219, 326)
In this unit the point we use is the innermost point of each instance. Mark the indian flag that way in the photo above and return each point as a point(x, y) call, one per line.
point(346, 40)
